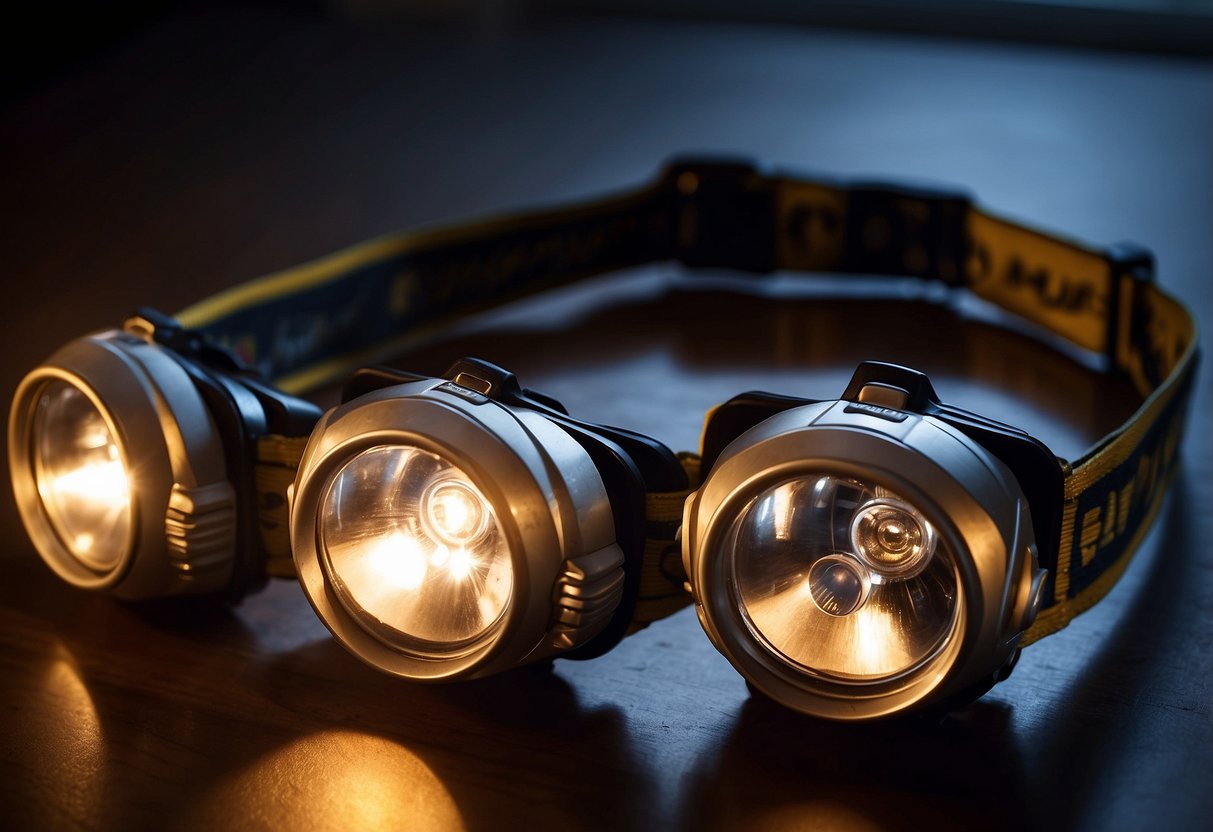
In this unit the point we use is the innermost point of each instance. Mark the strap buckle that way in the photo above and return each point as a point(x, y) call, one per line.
point(723, 214)
point(1131, 269)
point(901, 229)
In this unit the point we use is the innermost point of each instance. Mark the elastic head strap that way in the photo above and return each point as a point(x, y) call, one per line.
point(306, 325)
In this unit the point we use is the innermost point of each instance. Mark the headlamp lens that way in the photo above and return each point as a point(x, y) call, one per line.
point(842, 579)
point(81, 476)
point(414, 550)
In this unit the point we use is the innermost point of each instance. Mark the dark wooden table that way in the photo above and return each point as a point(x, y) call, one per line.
point(211, 148)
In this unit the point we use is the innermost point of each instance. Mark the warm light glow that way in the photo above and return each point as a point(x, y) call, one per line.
point(844, 812)
point(100, 482)
point(97, 435)
point(396, 560)
point(868, 642)
point(53, 737)
point(877, 641)
point(460, 564)
point(456, 510)
point(414, 547)
point(351, 780)
point(781, 506)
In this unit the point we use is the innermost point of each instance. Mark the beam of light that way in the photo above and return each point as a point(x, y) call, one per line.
point(98, 482)
point(351, 780)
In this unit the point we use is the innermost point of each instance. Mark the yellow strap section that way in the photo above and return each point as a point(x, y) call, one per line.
point(813, 218)
point(1058, 284)
point(1061, 614)
point(1113, 494)
point(274, 471)
point(663, 580)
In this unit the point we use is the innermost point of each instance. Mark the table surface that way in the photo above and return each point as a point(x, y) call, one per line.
point(212, 147)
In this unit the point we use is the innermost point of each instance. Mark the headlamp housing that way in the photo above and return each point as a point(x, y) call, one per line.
point(130, 460)
point(855, 559)
point(181, 506)
point(453, 528)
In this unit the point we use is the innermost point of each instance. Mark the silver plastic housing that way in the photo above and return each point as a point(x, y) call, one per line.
point(969, 496)
point(544, 490)
point(183, 510)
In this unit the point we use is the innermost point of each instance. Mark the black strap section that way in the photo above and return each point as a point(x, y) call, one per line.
point(703, 213)
point(362, 302)
point(1117, 506)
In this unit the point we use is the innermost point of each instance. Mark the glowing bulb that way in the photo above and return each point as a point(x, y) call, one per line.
point(453, 512)
point(414, 549)
point(863, 587)
point(84, 484)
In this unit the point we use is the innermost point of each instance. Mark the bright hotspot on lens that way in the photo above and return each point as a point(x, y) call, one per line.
point(81, 477)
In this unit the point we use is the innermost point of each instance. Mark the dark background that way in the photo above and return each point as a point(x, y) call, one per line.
point(164, 151)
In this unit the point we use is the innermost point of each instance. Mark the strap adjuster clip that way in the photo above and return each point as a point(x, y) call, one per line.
point(1130, 268)
point(723, 214)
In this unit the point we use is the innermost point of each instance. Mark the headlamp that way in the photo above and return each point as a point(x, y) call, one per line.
point(853, 557)
point(456, 527)
point(130, 463)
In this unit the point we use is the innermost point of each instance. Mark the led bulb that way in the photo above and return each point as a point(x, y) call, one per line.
point(838, 584)
point(892, 538)
point(453, 512)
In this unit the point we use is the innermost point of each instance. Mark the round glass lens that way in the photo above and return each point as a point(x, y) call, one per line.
point(842, 579)
point(82, 479)
point(412, 547)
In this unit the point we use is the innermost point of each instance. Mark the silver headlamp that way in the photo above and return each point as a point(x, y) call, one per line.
point(855, 558)
point(451, 528)
point(128, 461)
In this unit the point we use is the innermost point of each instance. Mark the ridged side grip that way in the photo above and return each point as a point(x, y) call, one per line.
point(200, 529)
point(585, 596)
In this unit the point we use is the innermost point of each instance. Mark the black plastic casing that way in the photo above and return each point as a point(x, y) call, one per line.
point(244, 407)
